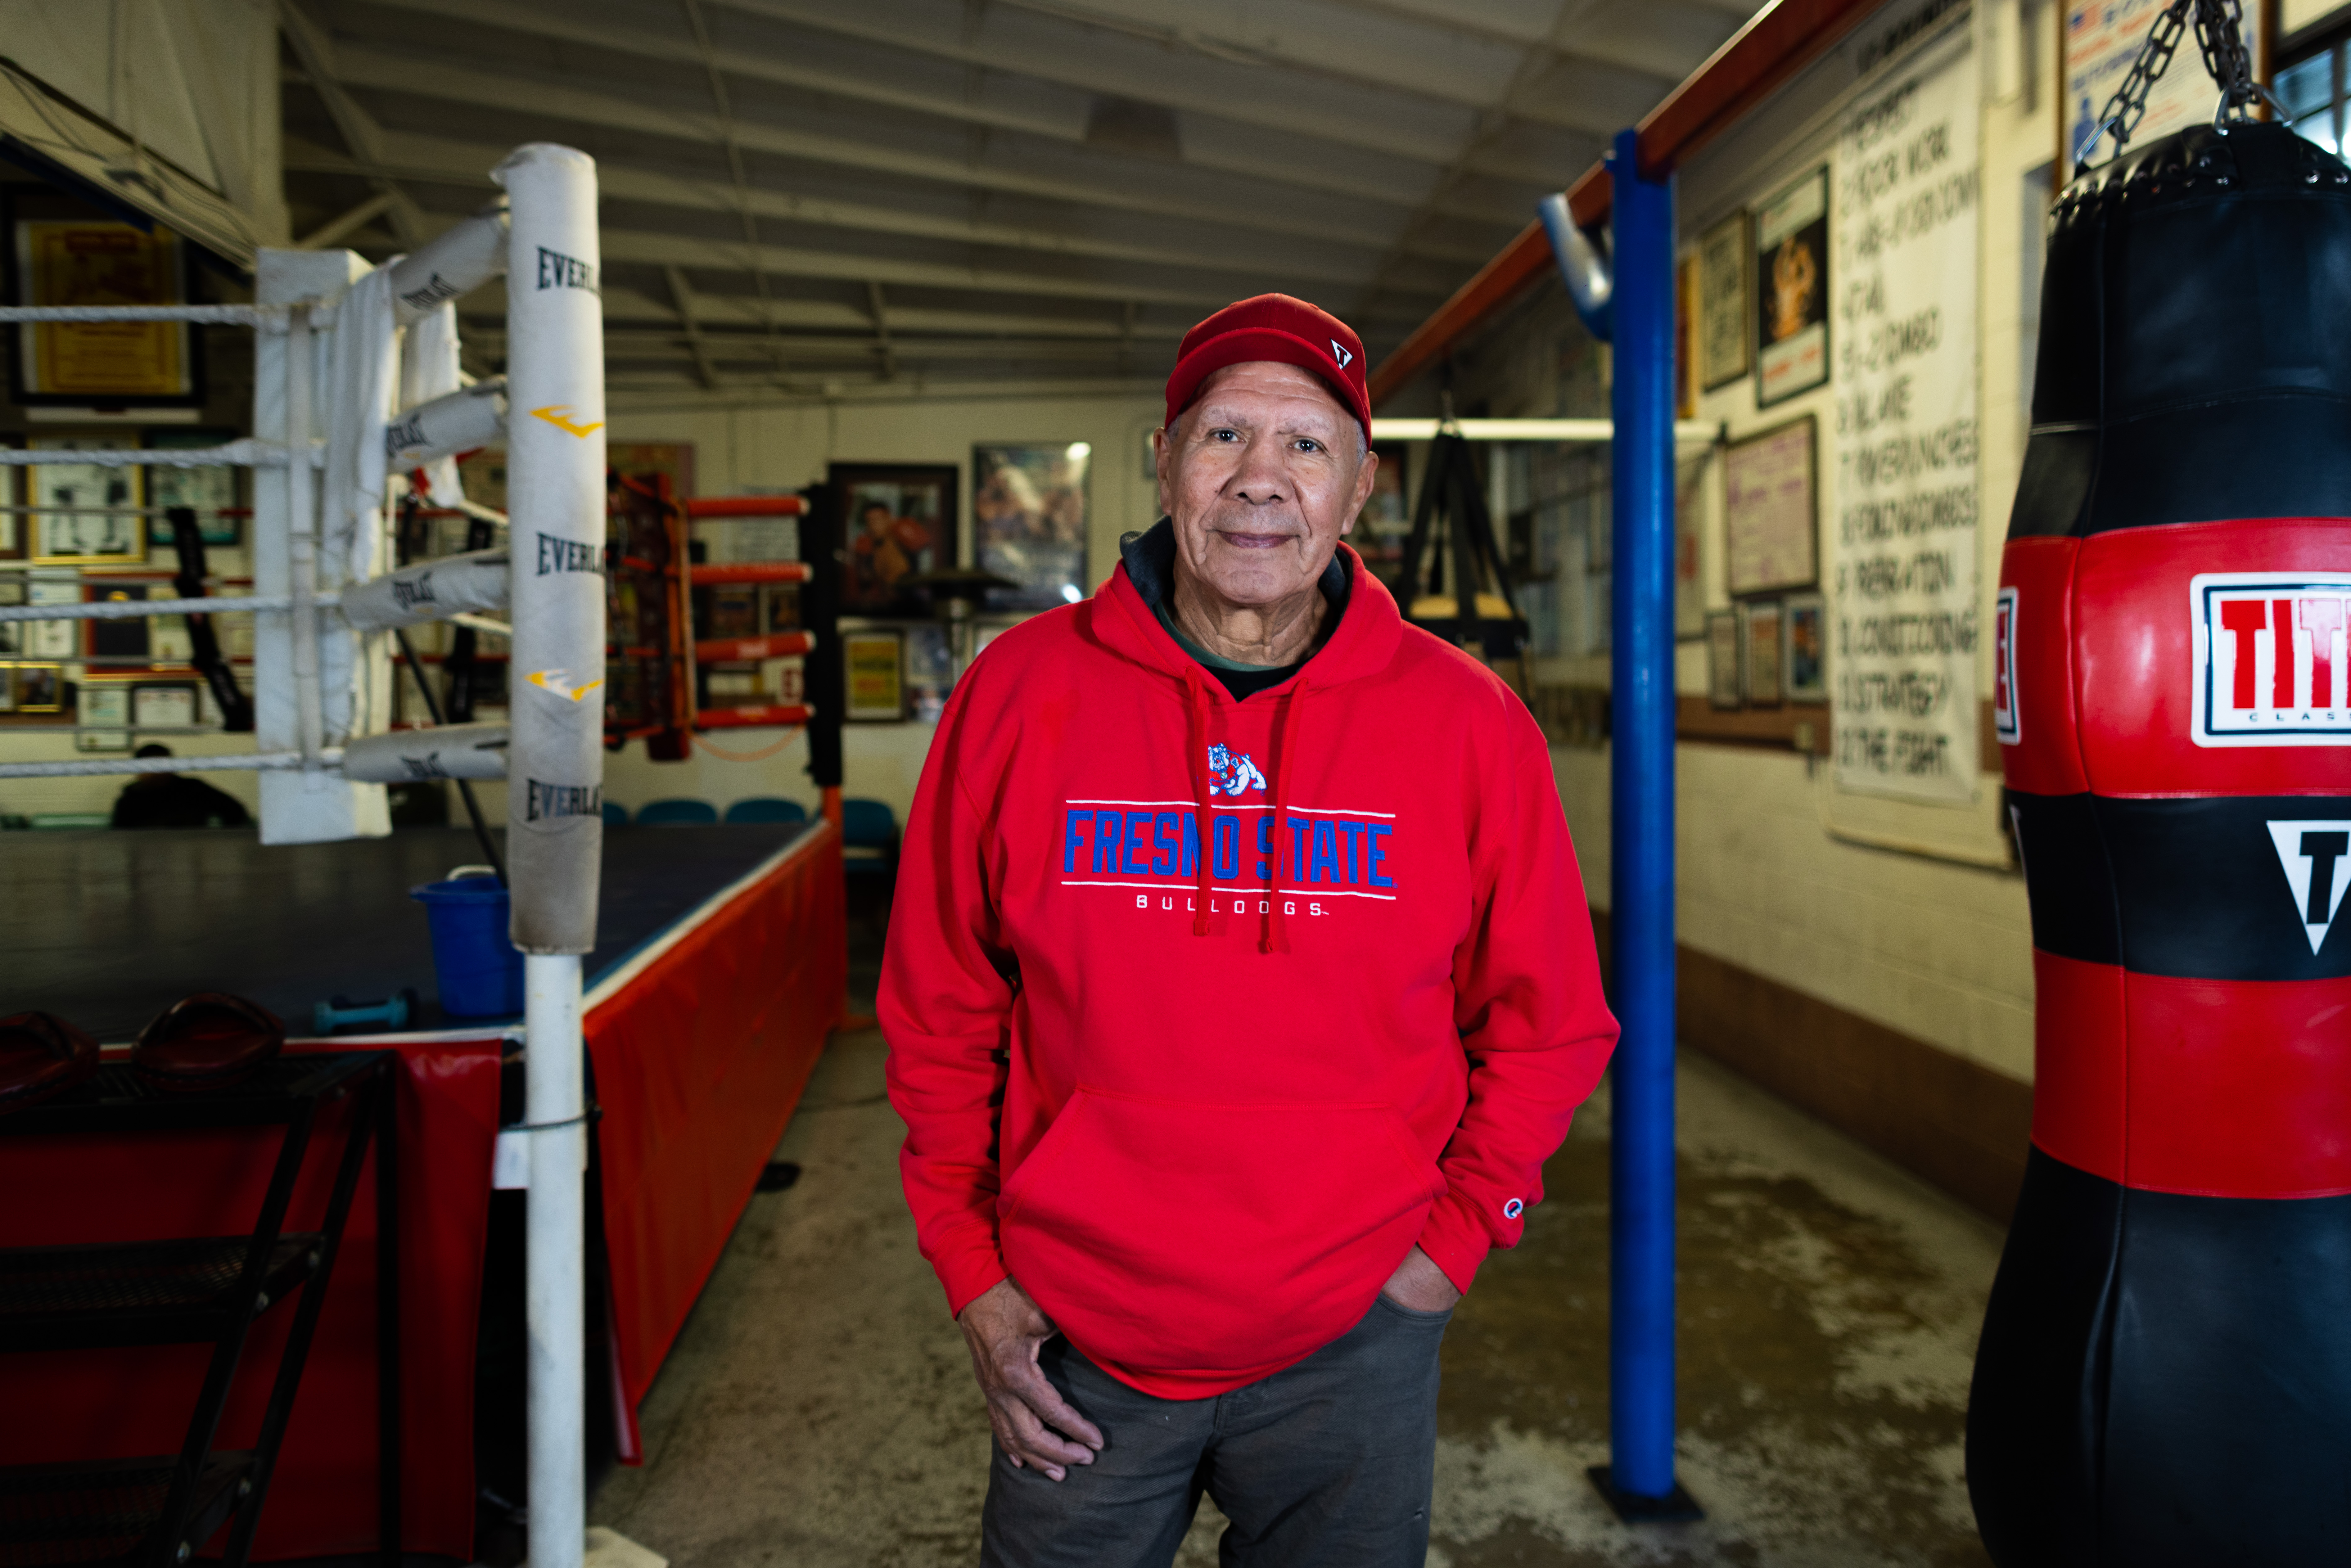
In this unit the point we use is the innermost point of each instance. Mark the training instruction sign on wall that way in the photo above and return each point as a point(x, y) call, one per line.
point(1903, 480)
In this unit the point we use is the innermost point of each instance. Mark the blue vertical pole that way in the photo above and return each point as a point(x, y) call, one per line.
point(1641, 870)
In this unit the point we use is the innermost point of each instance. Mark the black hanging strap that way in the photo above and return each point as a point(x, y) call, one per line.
point(188, 541)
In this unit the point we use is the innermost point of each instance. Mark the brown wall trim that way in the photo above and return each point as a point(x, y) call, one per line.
point(1952, 1121)
point(1699, 720)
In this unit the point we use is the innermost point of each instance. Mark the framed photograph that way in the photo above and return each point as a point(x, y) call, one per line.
point(1722, 659)
point(897, 521)
point(163, 705)
point(1803, 662)
point(40, 688)
point(211, 491)
point(81, 261)
point(930, 670)
point(102, 704)
point(83, 513)
point(1686, 338)
point(1770, 507)
point(7, 689)
point(13, 531)
point(11, 632)
point(1029, 516)
point(1791, 290)
point(873, 664)
point(1758, 653)
point(51, 639)
point(117, 639)
point(1723, 303)
point(1690, 516)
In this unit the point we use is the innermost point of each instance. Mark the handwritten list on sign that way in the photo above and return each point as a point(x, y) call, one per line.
point(1769, 509)
point(1903, 588)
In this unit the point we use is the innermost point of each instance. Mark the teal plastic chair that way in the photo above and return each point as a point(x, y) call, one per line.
point(676, 813)
point(767, 808)
point(615, 815)
point(869, 837)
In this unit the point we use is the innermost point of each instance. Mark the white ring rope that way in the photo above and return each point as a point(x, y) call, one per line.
point(212, 315)
point(246, 452)
point(121, 511)
point(262, 761)
point(138, 609)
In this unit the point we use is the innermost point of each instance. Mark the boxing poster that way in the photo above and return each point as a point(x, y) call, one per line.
point(1791, 290)
point(1904, 481)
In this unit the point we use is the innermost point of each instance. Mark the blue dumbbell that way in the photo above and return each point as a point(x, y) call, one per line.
point(342, 1012)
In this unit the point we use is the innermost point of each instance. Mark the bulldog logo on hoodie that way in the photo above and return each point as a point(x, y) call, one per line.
point(1234, 773)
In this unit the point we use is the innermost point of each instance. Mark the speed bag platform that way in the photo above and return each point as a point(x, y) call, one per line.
point(2165, 1371)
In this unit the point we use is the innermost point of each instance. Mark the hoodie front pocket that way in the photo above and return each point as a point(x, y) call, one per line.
point(1180, 1237)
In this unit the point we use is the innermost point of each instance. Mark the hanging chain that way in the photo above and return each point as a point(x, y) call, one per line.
point(2220, 38)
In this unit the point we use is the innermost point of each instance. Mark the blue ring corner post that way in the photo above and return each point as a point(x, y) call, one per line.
point(1639, 1482)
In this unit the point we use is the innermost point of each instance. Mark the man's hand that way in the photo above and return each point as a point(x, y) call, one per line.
point(1033, 1423)
point(1417, 1283)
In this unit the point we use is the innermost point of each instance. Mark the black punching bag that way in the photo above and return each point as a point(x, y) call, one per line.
point(2165, 1372)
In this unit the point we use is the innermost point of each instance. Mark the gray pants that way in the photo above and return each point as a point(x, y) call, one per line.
point(1326, 1464)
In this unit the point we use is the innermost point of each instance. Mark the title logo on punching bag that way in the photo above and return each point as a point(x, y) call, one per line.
point(2005, 722)
point(2316, 858)
point(2270, 658)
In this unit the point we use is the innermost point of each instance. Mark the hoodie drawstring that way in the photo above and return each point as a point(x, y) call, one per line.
point(1275, 937)
point(1198, 736)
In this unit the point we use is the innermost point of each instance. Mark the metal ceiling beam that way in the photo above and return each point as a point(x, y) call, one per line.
point(347, 222)
point(683, 292)
point(638, 345)
point(1782, 39)
point(1235, 148)
point(1236, 154)
point(358, 127)
point(414, 156)
point(622, 246)
point(622, 304)
point(649, 395)
point(881, 307)
point(450, 82)
point(1392, 50)
point(1411, 126)
point(1715, 21)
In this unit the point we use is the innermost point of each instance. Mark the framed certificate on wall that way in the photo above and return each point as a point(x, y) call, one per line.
point(1771, 507)
point(873, 665)
point(1723, 303)
point(82, 261)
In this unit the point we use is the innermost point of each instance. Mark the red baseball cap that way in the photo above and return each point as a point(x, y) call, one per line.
point(1278, 328)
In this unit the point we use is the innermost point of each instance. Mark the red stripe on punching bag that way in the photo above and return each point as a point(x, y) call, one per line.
point(2209, 1088)
point(2079, 1085)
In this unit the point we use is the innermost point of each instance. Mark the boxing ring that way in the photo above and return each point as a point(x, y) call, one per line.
point(718, 971)
point(697, 995)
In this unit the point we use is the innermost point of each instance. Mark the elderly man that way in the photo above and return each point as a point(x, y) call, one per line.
point(1240, 981)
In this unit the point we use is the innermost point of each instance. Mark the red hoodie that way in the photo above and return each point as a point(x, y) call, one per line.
point(1202, 1111)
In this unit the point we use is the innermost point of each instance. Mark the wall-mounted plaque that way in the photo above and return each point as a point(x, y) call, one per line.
point(1771, 484)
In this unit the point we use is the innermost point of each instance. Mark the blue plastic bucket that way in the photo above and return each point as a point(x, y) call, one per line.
point(480, 970)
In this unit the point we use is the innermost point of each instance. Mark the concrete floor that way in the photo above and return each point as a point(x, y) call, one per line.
point(819, 1409)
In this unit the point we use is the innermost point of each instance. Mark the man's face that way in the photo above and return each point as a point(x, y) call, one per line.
point(1262, 474)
